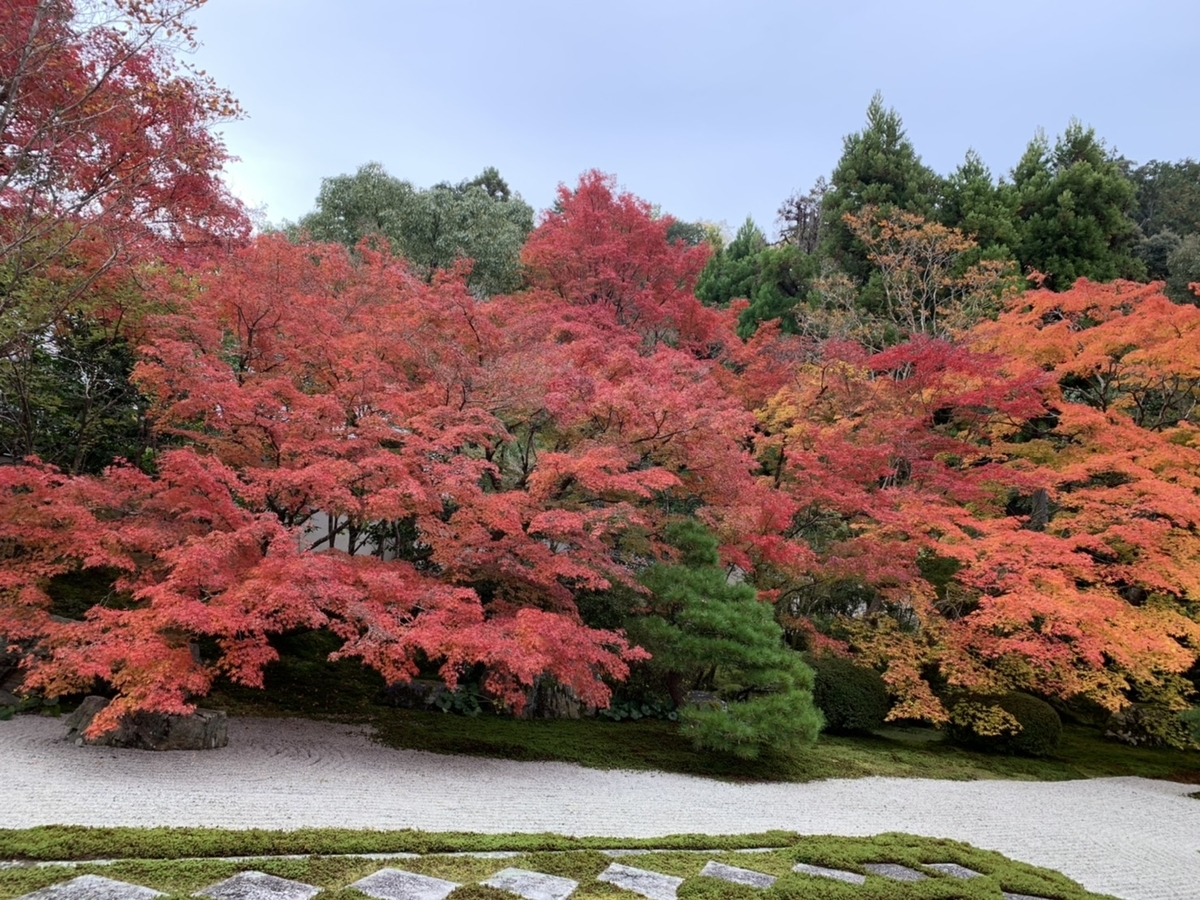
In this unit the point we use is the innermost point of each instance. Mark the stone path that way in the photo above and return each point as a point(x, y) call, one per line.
point(1130, 837)
point(397, 884)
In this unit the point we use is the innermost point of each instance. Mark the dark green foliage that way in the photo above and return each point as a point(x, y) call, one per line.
point(878, 167)
point(853, 698)
point(707, 634)
point(774, 279)
point(1073, 203)
point(480, 219)
point(66, 398)
point(973, 203)
point(1151, 725)
point(1040, 726)
point(1155, 252)
point(732, 271)
point(1168, 196)
point(1191, 718)
point(1183, 269)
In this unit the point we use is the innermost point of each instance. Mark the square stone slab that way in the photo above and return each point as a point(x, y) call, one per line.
point(93, 887)
point(822, 872)
point(715, 869)
point(954, 870)
point(652, 885)
point(258, 886)
point(895, 871)
point(396, 884)
point(532, 885)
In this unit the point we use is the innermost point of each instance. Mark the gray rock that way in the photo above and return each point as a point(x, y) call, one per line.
point(895, 871)
point(547, 699)
point(1008, 896)
point(835, 874)
point(532, 885)
point(93, 887)
point(205, 729)
point(954, 869)
point(258, 886)
point(8, 699)
point(419, 693)
point(652, 885)
point(715, 869)
point(396, 884)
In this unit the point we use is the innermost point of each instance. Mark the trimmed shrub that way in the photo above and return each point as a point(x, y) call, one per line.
point(1011, 723)
point(852, 697)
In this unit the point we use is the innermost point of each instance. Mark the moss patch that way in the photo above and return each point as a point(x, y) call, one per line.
point(555, 855)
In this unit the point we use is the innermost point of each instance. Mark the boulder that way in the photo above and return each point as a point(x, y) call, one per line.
point(419, 693)
point(204, 729)
point(547, 699)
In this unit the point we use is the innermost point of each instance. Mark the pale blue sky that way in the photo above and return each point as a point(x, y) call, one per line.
point(713, 110)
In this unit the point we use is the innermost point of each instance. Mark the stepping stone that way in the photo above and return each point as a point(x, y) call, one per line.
point(258, 886)
point(954, 870)
point(895, 871)
point(532, 885)
point(1008, 896)
point(93, 887)
point(653, 885)
point(396, 884)
point(822, 872)
point(715, 869)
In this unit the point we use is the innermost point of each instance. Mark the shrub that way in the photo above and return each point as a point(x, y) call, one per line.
point(1153, 725)
point(1011, 723)
point(852, 697)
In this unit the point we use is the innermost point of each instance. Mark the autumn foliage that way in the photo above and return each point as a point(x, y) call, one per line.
point(438, 480)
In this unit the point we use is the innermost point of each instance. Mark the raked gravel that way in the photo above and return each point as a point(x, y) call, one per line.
point(1131, 837)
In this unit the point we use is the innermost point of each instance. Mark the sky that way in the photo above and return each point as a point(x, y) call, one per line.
point(711, 110)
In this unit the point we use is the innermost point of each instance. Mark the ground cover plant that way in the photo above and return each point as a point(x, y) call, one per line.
point(181, 861)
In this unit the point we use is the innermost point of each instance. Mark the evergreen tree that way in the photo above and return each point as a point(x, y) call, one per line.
point(1073, 204)
point(707, 634)
point(774, 279)
point(976, 205)
point(880, 168)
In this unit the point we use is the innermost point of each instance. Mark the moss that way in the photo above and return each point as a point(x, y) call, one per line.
point(568, 858)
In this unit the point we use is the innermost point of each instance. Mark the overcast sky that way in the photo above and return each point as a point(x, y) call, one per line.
point(713, 110)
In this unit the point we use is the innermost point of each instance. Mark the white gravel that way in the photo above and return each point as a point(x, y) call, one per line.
point(1130, 837)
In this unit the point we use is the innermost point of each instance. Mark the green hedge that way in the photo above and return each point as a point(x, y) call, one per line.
point(1010, 723)
point(852, 697)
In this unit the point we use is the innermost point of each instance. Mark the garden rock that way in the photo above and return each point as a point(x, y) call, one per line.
point(420, 693)
point(204, 729)
point(396, 884)
point(93, 887)
point(532, 885)
point(7, 699)
point(259, 886)
point(548, 699)
point(736, 875)
point(652, 885)
point(835, 874)
point(954, 870)
point(895, 871)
